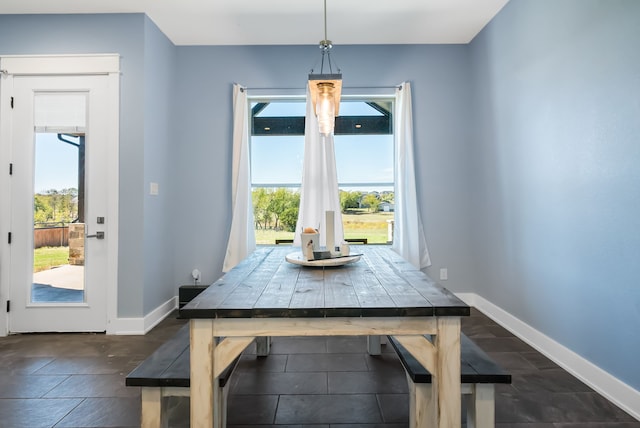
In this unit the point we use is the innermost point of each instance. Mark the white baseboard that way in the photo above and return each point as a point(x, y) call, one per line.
point(612, 388)
point(140, 326)
point(468, 298)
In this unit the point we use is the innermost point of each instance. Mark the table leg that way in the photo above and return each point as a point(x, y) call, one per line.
point(203, 391)
point(448, 372)
point(373, 345)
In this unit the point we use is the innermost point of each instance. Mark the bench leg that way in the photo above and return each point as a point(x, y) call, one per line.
point(263, 346)
point(152, 415)
point(481, 406)
point(423, 412)
point(222, 407)
point(373, 345)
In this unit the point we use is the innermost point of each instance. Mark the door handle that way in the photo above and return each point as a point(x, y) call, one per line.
point(98, 235)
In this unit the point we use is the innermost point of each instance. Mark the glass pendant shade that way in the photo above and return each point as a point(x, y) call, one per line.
point(325, 109)
point(325, 98)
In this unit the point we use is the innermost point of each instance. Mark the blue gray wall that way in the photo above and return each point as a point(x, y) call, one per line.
point(160, 151)
point(440, 80)
point(555, 176)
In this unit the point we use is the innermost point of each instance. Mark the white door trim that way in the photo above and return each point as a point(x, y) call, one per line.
point(49, 65)
point(44, 65)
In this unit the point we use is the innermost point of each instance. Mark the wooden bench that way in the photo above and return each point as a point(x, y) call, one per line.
point(478, 373)
point(187, 293)
point(357, 240)
point(284, 241)
point(166, 373)
point(350, 240)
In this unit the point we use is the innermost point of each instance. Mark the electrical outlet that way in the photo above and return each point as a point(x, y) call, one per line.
point(444, 274)
point(153, 188)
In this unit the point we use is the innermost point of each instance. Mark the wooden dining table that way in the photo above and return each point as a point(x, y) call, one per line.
point(377, 293)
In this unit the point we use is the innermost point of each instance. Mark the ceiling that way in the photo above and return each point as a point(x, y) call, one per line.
point(291, 22)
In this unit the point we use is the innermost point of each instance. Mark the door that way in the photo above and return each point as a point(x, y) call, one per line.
point(59, 203)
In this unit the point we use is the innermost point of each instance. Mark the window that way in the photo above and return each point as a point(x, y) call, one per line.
point(364, 161)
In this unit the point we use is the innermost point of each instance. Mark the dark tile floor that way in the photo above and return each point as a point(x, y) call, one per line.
point(77, 380)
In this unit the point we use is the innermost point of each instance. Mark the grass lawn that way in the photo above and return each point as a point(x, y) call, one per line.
point(356, 223)
point(46, 257)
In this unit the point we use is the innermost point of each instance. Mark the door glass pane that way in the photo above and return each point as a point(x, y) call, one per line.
point(58, 219)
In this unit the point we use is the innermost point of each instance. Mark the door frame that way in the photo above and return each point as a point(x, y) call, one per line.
point(61, 65)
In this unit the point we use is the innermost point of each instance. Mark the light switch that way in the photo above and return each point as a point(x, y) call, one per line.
point(153, 188)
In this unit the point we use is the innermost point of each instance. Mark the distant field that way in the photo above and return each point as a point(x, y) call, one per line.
point(357, 224)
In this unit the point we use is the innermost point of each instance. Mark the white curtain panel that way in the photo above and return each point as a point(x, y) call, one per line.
point(408, 239)
point(319, 190)
point(242, 238)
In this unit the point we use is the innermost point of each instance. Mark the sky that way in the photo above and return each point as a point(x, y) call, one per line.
point(359, 159)
point(56, 164)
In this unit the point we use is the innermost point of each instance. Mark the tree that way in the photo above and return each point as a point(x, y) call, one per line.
point(42, 212)
point(349, 200)
point(371, 200)
point(55, 206)
point(279, 206)
point(261, 215)
point(69, 204)
point(289, 218)
point(388, 196)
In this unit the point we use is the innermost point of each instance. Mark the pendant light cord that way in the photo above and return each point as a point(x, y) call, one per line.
point(325, 20)
point(326, 45)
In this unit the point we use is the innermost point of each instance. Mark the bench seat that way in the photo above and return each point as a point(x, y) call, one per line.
point(166, 373)
point(478, 376)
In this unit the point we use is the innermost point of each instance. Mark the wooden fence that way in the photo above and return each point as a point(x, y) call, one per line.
point(51, 237)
